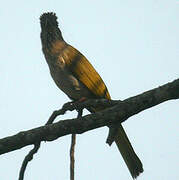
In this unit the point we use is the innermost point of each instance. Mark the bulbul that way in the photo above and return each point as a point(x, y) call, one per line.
point(78, 79)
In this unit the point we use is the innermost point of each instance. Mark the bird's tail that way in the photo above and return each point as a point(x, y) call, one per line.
point(131, 159)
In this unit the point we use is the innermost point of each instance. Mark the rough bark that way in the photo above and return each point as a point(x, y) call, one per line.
point(115, 112)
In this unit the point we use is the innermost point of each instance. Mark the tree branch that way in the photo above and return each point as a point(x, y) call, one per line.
point(115, 112)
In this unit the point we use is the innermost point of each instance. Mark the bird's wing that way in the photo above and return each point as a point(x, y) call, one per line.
point(82, 69)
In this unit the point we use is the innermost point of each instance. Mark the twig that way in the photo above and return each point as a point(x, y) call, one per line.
point(31, 153)
point(28, 158)
point(112, 134)
point(72, 157)
point(72, 151)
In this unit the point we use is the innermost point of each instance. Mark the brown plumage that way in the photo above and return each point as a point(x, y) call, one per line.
point(77, 78)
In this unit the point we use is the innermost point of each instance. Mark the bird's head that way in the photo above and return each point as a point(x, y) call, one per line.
point(48, 21)
point(50, 31)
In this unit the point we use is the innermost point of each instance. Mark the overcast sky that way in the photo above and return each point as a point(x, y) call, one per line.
point(134, 45)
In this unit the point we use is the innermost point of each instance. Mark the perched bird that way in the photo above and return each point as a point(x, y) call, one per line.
point(78, 79)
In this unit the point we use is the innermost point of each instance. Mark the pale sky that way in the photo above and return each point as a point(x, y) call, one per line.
point(134, 47)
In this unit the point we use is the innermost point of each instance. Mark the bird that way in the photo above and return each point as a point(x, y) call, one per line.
point(78, 79)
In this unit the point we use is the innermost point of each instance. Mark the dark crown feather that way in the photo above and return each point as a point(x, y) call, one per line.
point(48, 19)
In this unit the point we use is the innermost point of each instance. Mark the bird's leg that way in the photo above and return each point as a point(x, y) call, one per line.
point(74, 104)
point(82, 99)
point(79, 110)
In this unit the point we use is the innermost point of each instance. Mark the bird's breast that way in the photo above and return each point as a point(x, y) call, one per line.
point(67, 82)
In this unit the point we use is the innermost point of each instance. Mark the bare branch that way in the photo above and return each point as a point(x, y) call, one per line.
point(117, 112)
